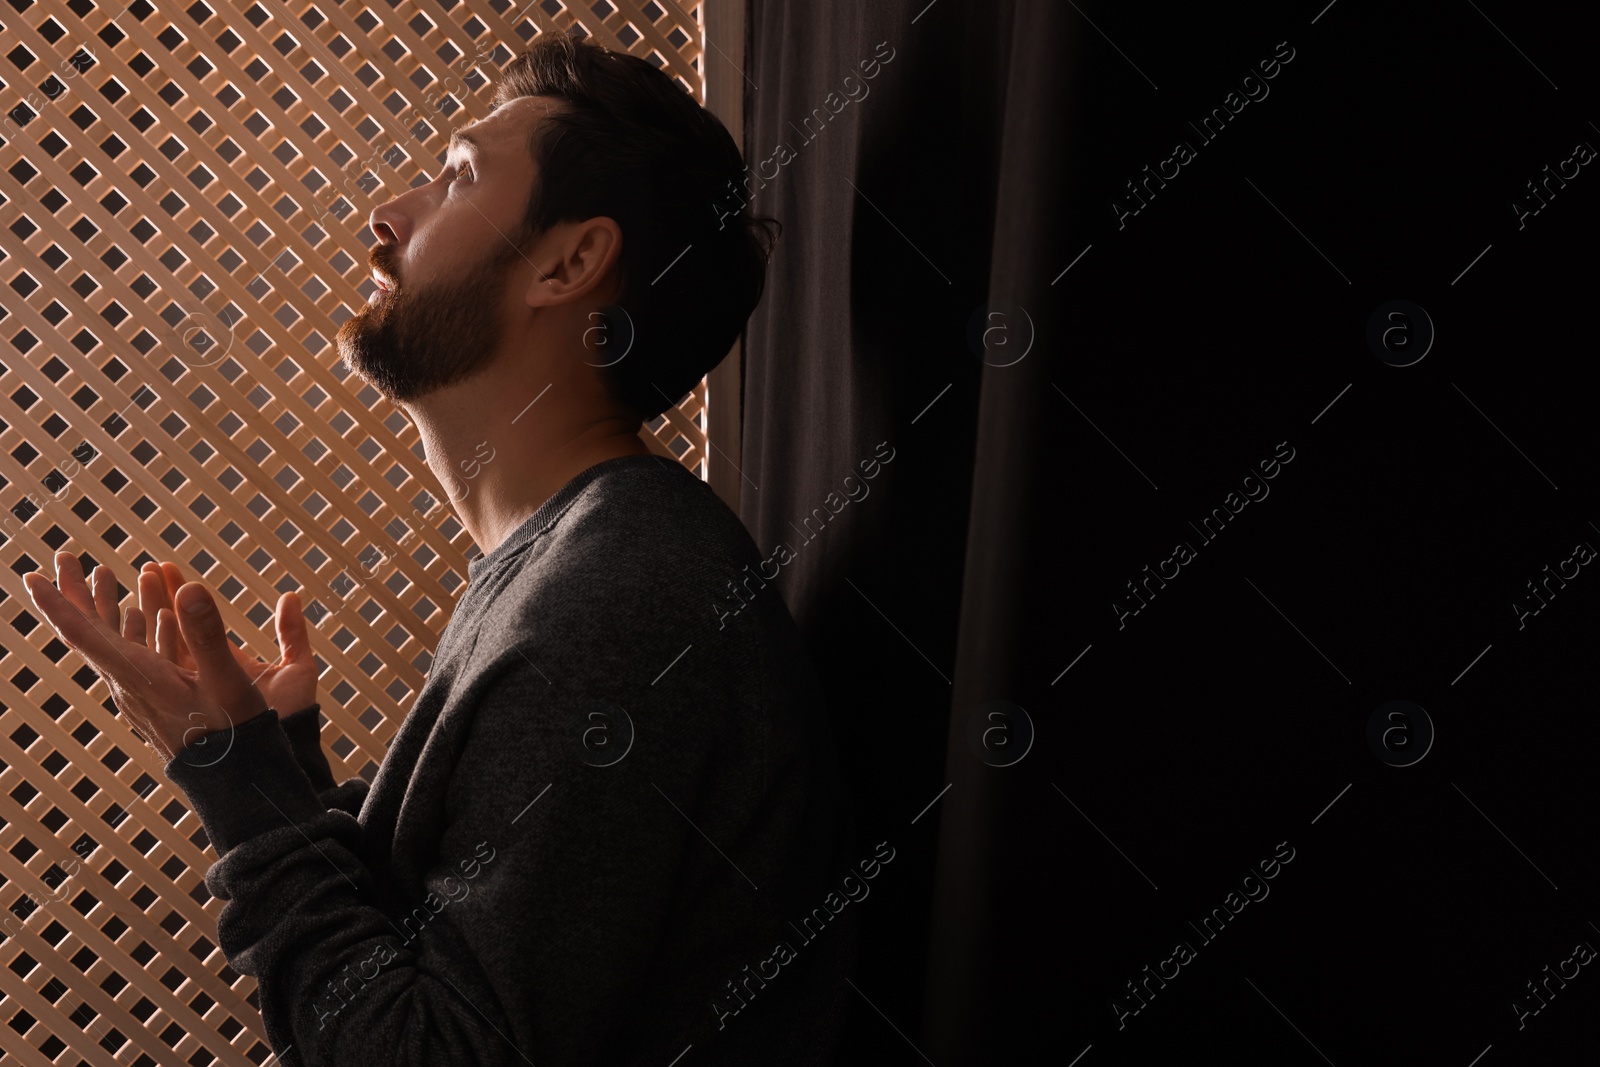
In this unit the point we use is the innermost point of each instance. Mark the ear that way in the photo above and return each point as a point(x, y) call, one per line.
point(575, 258)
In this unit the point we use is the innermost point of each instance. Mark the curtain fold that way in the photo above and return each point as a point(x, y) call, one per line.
point(913, 152)
point(1016, 504)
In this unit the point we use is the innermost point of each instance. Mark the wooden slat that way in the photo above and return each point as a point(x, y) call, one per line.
point(185, 179)
point(725, 81)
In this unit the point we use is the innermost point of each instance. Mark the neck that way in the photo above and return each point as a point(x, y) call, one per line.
point(501, 452)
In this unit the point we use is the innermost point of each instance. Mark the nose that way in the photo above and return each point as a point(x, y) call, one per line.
point(389, 223)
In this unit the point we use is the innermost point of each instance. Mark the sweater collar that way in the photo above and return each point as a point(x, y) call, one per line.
point(551, 510)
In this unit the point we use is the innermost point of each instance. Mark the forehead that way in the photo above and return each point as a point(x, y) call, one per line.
point(510, 124)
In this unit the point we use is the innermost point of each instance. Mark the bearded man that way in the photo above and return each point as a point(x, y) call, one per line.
point(602, 816)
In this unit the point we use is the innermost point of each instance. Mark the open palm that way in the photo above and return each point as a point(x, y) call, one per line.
point(289, 683)
point(178, 710)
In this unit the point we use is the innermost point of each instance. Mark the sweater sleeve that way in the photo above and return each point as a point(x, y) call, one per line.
point(547, 899)
point(304, 729)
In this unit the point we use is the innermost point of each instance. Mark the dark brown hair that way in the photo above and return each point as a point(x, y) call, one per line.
point(633, 145)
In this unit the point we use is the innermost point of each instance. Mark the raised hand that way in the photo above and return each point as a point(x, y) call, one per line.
point(170, 705)
point(289, 683)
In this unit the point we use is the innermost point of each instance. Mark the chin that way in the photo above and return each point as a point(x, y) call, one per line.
point(354, 341)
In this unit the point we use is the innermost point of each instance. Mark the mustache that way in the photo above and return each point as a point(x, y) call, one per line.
point(383, 258)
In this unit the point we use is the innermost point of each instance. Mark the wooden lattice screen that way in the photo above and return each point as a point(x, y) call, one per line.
point(184, 191)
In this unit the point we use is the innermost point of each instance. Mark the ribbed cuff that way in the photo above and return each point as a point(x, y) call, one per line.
point(304, 728)
point(245, 781)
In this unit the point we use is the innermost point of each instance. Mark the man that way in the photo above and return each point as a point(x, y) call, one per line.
point(610, 828)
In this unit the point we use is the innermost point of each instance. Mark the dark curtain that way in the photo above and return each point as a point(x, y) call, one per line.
point(1125, 754)
point(910, 199)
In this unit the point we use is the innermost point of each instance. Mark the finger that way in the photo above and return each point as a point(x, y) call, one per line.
point(106, 594)
point(167, 635)
point(81, 631)
point(133, 626)
point(152, 596)
point(69, 576)
point(221, 676)
point(294, 639)
point(174, 579)
point(173, 576)
point(163, 589)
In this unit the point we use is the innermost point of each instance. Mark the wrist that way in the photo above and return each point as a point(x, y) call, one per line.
point(204, 739)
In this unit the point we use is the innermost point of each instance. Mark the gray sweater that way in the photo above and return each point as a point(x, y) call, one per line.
point(610, 830)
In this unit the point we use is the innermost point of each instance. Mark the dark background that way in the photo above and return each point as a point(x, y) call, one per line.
point(1229, 714)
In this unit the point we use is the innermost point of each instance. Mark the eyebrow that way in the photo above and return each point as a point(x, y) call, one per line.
point(459, 138)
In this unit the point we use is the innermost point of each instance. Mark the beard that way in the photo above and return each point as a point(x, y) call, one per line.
point(410, 342)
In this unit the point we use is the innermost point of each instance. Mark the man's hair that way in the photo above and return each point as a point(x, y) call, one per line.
point(631, 144)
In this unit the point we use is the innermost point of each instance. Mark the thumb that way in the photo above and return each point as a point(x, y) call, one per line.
point(199, 622)
point(294, 641)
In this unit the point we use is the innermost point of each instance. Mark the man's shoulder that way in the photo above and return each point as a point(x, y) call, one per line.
point(656, 519)
point(614, 594)
point(642, 538)
point(651, 490)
